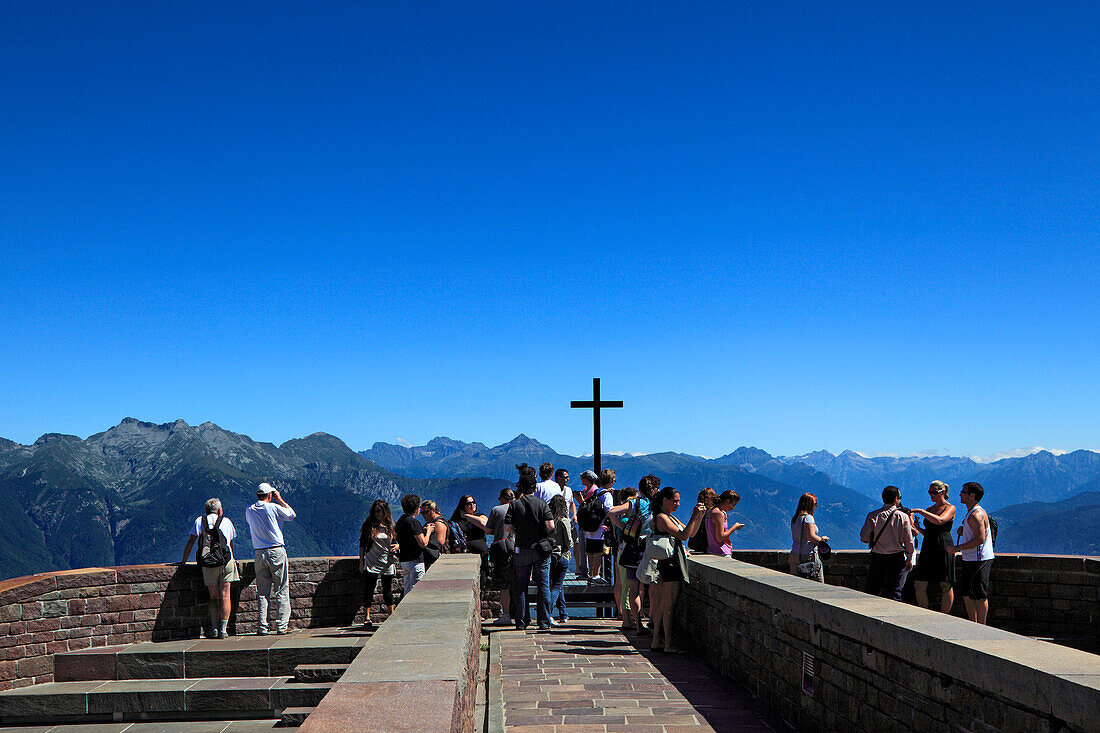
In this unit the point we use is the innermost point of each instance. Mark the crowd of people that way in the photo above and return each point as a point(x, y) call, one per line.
point(891, 534)
point(629, 539)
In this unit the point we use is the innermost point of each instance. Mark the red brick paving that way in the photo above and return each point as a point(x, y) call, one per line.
point(587, 677)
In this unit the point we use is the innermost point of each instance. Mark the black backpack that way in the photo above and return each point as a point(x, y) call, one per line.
point(592, 512)
point(213, 551)
point(992, 529)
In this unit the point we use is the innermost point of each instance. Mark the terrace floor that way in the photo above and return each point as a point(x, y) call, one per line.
point(588, 677)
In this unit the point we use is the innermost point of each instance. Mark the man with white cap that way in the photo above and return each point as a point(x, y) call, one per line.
point(265, 519)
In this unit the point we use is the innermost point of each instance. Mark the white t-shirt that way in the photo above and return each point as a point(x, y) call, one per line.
point(800, 535)
point(226, 527)
point(547, 490)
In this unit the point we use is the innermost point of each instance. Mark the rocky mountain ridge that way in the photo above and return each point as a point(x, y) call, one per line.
point(128, 494)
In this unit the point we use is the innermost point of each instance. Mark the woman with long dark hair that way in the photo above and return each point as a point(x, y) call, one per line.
point(467, 520)
point(377, 557)
point(804, 538)
point(671, 571)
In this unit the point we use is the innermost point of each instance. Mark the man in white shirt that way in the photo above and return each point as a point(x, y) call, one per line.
point(217, 579)
point(547, 488)
point(265, 519)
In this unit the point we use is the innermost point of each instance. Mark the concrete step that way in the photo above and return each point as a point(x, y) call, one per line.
point(295, 716)
point(319, 672)
point(241, 697)
point(237, 656)
point(166, 726)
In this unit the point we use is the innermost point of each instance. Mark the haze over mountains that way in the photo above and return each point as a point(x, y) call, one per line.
point(129, 494)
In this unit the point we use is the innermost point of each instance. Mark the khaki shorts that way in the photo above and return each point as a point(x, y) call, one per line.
point(225, 574)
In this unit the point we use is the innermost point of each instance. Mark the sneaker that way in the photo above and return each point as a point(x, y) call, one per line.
point(564, 619)
point(553, 623)
point(262, 631)
point(504, 620)
point(223, 634)
point(210, 634)
point(600, 581)
point(282, 632)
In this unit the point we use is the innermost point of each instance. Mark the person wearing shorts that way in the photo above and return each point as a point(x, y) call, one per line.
point(217, 579)
point(976, 546)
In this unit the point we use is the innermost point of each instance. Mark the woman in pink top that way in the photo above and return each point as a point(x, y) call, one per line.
point(718, 534)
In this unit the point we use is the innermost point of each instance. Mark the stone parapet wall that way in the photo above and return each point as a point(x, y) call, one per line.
point(43, 614)
point(425, 658)
point(1050, 596)
point(828, 658)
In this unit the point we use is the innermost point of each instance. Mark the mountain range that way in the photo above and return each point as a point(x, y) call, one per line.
point(1035, 494)
point(129, 495)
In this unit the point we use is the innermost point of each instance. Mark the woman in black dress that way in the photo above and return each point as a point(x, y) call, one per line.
point(472, 524)
point(932, 562)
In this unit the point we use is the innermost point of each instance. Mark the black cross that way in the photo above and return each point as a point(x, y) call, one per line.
point(596, 403)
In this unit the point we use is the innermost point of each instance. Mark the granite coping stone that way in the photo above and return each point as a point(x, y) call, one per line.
point(413, 662)
point(355, 708)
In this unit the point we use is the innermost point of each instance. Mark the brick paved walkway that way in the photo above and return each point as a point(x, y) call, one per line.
point(587, 677)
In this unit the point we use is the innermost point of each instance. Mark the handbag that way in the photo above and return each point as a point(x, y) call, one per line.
point(810, 569)
point(659, 547)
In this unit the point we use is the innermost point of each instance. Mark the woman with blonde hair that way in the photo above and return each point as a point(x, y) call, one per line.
point(933, 562)
point(435, 529)
point(804, 560)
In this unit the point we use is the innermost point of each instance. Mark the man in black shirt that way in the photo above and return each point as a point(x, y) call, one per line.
point(532, 524)
point(412, 538)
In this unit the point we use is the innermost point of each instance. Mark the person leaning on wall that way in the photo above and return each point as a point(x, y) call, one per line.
point(217, 579)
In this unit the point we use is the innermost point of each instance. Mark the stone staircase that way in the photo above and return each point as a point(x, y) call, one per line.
point(243, 683)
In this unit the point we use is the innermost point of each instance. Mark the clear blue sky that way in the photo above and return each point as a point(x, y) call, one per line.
point(791, 225)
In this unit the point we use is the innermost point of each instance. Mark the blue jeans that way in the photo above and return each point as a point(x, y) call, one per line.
point(558, 566)
point(528, 560)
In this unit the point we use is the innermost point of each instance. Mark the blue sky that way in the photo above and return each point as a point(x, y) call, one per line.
point(789, 225)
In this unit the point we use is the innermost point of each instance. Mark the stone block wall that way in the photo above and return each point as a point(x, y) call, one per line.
point(1050, 596)
point(425, 656)
point(43, 614)
point(827, 658)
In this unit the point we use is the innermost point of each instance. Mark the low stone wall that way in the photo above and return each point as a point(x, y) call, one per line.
point(828, 658)
point(41, 615)
point(425, 657)
point(1050, 596)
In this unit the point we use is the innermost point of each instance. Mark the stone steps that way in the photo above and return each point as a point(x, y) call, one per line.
point(319, 672)
point(295, 716)
point(237, 656)
point(238, 697)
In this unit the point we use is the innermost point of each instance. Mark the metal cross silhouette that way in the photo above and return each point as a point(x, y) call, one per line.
point(595, 404)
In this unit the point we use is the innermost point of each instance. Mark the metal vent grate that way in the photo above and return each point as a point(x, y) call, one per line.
point(808, 673)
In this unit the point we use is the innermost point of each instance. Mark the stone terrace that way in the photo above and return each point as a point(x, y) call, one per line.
point(587, 677)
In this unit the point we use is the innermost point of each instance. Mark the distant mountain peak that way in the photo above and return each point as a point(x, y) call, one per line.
point(445, 442)
point(522, 441)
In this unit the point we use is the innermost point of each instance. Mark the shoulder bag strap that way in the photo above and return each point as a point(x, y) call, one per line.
point(884, 526)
